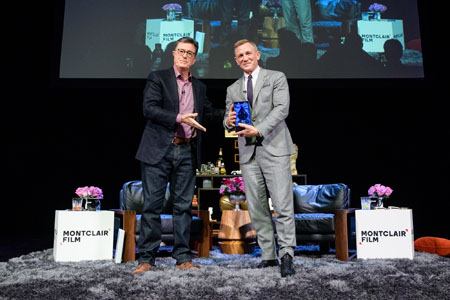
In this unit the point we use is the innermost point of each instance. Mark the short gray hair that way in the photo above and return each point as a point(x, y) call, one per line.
point(245, 41)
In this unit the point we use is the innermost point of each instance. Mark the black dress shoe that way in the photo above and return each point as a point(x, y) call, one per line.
point(268, 263)
point(287, 267)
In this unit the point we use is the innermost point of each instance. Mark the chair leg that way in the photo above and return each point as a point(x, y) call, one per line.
point(205, 245)
point(341, 234)
point(129, 226)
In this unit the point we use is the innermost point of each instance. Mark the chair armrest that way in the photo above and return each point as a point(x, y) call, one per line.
point(129, 226)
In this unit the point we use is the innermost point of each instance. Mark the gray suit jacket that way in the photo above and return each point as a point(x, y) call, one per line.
point(268, 114)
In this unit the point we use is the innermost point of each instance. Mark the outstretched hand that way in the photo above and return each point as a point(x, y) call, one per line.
point(189, 119)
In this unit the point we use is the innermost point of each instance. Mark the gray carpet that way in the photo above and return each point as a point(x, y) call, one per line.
point(37, 276)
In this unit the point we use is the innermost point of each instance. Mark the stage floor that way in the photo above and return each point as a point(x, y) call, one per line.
point(15, 246)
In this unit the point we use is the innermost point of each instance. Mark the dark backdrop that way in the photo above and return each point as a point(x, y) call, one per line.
point(359, 132)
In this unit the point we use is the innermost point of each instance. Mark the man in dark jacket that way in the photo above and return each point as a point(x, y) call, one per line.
point(175, 104)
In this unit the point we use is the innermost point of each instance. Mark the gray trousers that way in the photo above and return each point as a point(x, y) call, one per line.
point(297, 14)
point(267, 173)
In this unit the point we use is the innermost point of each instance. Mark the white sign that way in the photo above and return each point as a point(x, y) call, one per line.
point(375, 33)
point(83, 235)
point(386, 233)
point(165, 32)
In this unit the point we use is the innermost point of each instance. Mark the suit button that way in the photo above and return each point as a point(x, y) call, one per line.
point(254, 119)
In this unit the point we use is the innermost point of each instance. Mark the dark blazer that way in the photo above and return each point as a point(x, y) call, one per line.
point(161, 107)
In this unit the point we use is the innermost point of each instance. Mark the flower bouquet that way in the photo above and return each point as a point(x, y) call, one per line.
point(234, 188)
point(380, 192)
point(374, 12)
point(376, 7)
point(91, 195)
point(171, 10)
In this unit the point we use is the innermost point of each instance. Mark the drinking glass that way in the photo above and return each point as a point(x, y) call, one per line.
point(77, 204)
point(365, 203)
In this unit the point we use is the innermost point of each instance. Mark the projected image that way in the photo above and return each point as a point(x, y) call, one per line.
point(302, 38)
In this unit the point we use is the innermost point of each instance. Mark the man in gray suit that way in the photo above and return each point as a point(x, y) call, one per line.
point(265, 147)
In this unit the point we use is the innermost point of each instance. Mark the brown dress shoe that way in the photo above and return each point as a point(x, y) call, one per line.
point(187, 265)
point(141, 268)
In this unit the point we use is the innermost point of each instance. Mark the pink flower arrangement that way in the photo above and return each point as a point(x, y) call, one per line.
point(379, 190)
point(90, 192)
point(232, 186)
point(172, 6)
point(376, 7)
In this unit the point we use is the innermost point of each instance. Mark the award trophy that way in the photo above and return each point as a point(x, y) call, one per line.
point(243, 114)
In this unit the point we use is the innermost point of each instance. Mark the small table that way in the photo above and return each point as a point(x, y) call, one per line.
point(375, 33)
point(83, 235)
point(164, 32)
point(236, 233)
point(384, 233)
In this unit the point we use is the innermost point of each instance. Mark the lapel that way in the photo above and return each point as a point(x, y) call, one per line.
point(259, 85)
point(239, 90)
point(173, 89)
point(196, 94)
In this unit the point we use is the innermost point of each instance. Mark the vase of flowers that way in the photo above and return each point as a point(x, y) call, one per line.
point(234, 188)
point(380, 193)
point(91, 195)
point(171, 10)
point(374, 12)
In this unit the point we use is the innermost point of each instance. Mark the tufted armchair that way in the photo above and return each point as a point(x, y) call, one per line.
point(322, 215)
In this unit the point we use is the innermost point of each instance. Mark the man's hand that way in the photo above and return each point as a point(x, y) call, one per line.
point(248, 131)
point(231, 119)
point(189, 119)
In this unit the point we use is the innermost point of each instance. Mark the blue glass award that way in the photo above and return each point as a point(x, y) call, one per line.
point(243, 114)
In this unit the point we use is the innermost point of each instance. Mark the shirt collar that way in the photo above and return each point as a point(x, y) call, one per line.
point(178, 74)
point(254, 73)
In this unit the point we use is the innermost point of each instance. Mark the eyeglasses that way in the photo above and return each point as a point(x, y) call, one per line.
point(189, 54)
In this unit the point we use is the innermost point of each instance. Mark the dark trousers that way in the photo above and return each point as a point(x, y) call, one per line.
point(243, 13)
point(177, 168)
